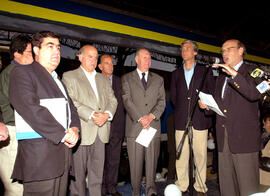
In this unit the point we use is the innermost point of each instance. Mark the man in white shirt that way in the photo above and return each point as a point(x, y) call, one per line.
point(93, 96)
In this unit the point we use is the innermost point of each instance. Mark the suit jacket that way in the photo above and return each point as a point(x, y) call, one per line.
point(139, 102)
point(240, 105)
point(183, 98)
point(85, 100)
point(38, 159)
point(118, 122)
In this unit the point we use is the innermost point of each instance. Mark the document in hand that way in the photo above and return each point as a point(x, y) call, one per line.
point(208, 100)
point(56, 106)
point(146, 136)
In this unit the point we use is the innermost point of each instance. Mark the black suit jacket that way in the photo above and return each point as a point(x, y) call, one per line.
point(240, 105)
point(183, 98)
point(38, 159)
point(118, 122)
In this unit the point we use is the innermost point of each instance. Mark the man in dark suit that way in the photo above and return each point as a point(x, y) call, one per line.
point(185, 83)
point(238, 134)
point(144, 100)
point(113, 148)
point(43, 164)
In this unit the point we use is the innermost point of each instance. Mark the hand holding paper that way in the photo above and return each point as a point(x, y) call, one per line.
point(146, 136)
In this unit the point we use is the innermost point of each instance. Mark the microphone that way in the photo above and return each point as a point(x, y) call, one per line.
point(262, 85)
point(209, 60)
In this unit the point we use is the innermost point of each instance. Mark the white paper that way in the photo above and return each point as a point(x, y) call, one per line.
point(146, 136)
point(208, 100)
point(56, 106)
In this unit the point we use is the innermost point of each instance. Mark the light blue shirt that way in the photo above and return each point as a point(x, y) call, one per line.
point(236, 68)
point(189, 74)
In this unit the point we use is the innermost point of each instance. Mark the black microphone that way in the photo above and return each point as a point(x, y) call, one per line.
point(209, 60)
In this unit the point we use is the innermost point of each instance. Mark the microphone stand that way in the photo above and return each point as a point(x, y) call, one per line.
point(188, 130)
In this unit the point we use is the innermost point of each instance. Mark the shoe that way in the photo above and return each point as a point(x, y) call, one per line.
point(115, 194)
point(153, 194)
point(201, 194)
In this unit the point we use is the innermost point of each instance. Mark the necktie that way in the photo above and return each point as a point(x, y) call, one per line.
point(144, 81)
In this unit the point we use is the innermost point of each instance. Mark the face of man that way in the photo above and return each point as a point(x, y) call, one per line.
point(26, 57)
point(89, 58)
point(231, 53)
point(187, 52)
point(106, 66)
point(48, 55)
point(143, 60)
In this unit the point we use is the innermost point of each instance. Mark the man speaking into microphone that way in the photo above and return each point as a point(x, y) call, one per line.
point(238, 134)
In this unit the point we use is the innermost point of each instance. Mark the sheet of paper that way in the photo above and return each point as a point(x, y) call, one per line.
point(146, 136)
point(56, 106)
point(208, 100)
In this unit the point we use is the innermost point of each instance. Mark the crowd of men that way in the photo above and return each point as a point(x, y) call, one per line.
point(57, 158)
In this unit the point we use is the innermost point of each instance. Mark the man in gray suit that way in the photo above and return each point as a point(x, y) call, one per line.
point(93, 96)
point(144, 100)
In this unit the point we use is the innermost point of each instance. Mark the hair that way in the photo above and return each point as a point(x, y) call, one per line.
point(38, 37)
point(139, 50)
point(19, 44)
point(241, 45)
point(194, 45)
point(104, 56)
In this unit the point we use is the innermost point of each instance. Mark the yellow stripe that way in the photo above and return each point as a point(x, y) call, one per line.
point(44, 13)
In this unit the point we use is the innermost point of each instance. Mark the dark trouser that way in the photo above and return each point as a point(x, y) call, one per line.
point(111, 165)
point(238, 173)
point(53, 187)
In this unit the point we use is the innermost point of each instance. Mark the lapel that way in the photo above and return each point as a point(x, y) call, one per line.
point(51, 85)
point(137, 79)
point(99, 85)
point(86, 82)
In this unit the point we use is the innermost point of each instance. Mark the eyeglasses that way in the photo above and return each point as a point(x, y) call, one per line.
point(227, 49)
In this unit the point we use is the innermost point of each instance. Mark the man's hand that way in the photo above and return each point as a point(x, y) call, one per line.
point(227, 69)
point(72, 137)
point(3, 132)
point(100, 118)
point(202, 105)
point(146, 120)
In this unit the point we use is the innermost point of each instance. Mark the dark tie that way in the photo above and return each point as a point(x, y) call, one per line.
point(144, 81)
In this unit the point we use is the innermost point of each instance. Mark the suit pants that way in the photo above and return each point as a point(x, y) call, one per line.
point(52, 187)
point(200, 160)
point(238, 173)
point(8, 153)
point(137, 155)
point(111, 165)
point(88, 159)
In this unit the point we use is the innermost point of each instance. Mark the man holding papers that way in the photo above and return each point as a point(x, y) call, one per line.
point(238, 132)
point(144, 101)
point(185, 83)
point(43, 164)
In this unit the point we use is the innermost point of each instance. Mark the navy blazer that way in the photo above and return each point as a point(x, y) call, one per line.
point(38, 159)
point(241, 107)
point(118, 122)
point(183, 98)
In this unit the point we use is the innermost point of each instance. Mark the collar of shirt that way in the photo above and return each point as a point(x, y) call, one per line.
point(236, 67)
point(15, 62)
point(189, 73)
point(140, 74)
point(90, 74)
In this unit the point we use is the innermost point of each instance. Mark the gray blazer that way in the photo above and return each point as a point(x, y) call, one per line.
point(85, 101)
point(139, 102)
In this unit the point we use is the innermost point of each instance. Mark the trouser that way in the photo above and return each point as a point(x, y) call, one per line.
point(238, 173)
point(200, 160)
point(137, 154)
point(8, 153)
point(88, 159)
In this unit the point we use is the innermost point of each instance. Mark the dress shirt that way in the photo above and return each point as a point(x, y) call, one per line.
point(92, 80)
point(140, 74)
point(189, 74)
